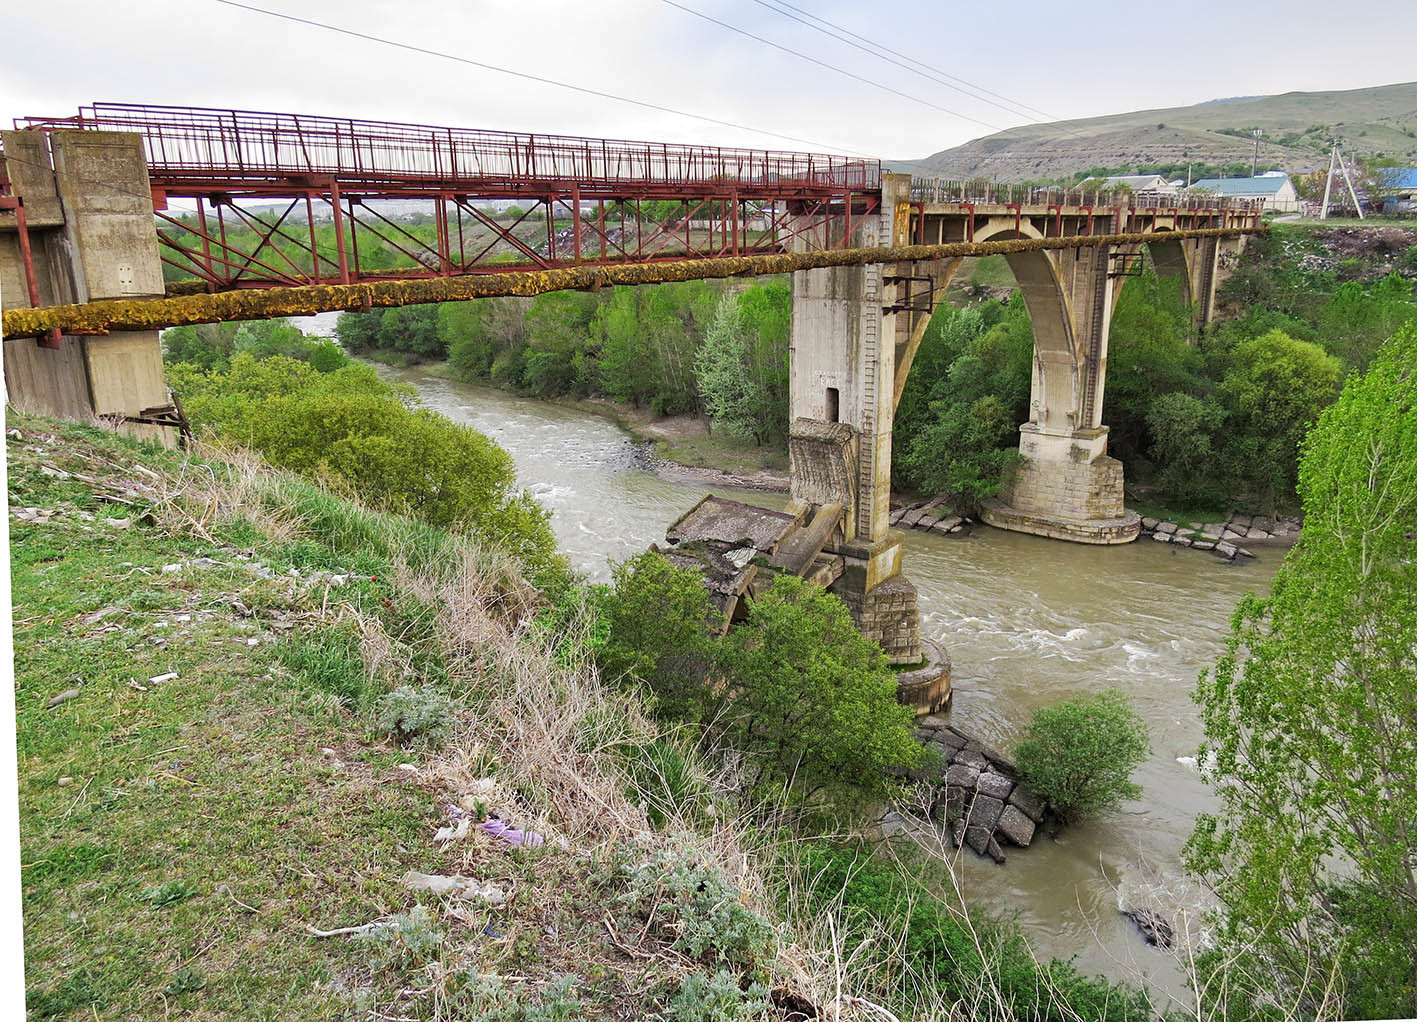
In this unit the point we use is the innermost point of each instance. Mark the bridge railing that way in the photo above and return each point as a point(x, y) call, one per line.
point(983, 192)
point(196, 143)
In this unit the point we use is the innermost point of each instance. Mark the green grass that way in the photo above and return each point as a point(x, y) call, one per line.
point(177, 837)
point(722, 453)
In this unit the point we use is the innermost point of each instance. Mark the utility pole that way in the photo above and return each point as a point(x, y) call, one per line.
point(1351, 191)
point(1255, 162)
point(1328, 181)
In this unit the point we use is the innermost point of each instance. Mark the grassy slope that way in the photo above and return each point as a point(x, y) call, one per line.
point(178, 837)
point(1376, 120)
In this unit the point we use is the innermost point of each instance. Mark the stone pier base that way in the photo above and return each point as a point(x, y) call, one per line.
point(927, 688)
point(1066, 488)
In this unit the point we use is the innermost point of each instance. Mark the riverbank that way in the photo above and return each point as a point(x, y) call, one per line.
point(683, 447)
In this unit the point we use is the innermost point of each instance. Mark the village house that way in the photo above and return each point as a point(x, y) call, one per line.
point(1274, 192)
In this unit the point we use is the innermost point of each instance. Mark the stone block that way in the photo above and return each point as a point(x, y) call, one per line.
point(1027, 800)
point(995, 785)
point(1225, 549)
point(1203, 544)
point(961, 775)
point(1181, 540)
point(1161, 537)
point(985, 811)
point(1149, 524)
point(978, 838)
point(1166, 527)
point(995, 852)
point(1256, 533)
point(1016, 826)
point(972, 758)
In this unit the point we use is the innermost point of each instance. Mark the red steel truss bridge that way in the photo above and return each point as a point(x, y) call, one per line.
point(252, 200)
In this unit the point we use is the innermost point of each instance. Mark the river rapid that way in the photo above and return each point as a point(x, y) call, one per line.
point(1027, 621)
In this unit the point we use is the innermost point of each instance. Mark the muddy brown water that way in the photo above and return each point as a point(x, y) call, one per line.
point(1027, 621)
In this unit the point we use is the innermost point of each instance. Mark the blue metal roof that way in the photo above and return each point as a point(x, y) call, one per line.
point(1241, 185)
point(1399, 177)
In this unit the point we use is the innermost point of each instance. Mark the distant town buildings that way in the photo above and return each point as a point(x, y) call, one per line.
point(1399, 186)
point(1274, 191)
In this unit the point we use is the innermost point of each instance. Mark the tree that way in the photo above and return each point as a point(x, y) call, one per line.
point(735, 397)
point(1275, 389)
point(1311, 731)
point(1079, 754)
point(964, 454)
point(1183, 430)
point(811, 700)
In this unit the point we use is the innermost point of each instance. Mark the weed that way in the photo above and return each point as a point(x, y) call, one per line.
point(186, 980)
point(174, 892)
point(690, 903)
point(719, 998)
point(423, 714)
point(410, 939)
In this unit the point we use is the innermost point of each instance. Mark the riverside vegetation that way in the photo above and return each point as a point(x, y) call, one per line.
point(1204, 422)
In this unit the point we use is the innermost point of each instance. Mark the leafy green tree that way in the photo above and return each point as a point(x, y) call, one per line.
point(1275, 389)
point(358, 331)
point(1311, 732)
point(963, 455)
point(412, 329)
point(964, 440)
point(558, 359)
point(1184, 430)
point(661, 628)
point(1150, 352)
point(1357, 320)
point(809, 698)
point(207, 345)
point(326, 357)
point(735, 397)
point(1079, 754)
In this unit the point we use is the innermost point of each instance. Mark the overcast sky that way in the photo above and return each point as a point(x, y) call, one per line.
point(1050, 64)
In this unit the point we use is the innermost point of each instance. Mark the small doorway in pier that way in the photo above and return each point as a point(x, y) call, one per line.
point(833, 404)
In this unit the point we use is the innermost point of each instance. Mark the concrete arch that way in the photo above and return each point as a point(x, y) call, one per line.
point(1055, 396)
point(1172, 259)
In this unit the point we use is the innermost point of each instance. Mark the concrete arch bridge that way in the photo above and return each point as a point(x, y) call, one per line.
point(276, 215)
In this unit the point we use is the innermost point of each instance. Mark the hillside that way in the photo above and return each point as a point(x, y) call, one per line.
point(1296, 125)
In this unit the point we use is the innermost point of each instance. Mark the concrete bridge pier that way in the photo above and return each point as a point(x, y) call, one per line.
point(88, 214)
point(842, 404)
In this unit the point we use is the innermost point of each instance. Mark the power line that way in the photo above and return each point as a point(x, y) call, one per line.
point(534, 78)
point(1016, 109)
point(921, 63)
point(821, 63)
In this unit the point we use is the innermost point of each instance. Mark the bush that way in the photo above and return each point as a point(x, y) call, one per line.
point(350, 427)
point(690, 904)
point(659, 619)
point(423, 714)
point(1079, 754)
point(809, 698)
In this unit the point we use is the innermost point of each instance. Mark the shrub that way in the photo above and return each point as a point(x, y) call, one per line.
point(351, 427)
point(809, 698)
point(689, 903)
point(423, 714)
point(1079, 754)
point(659, 619)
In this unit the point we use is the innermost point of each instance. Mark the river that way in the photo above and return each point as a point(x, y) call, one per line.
point(1027, 621)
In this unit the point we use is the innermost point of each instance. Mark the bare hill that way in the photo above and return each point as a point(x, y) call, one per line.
point(1296, 125)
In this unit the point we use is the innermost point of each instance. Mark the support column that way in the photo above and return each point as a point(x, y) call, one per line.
point(1067, 486)
point(842, 405)
point(101, 244)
